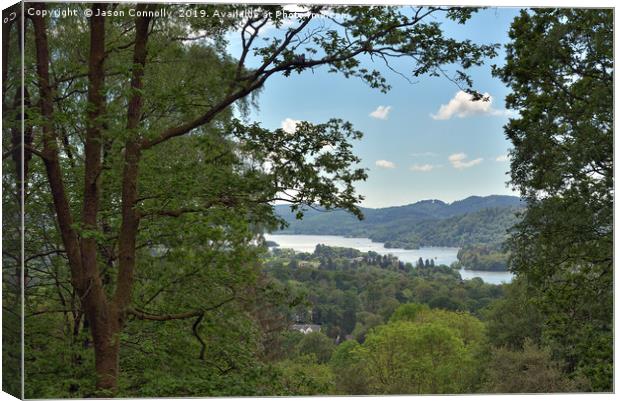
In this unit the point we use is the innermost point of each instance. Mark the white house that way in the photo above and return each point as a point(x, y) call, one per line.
point(306, 328)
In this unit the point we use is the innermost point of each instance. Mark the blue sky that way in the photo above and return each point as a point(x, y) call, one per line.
point(413, 147)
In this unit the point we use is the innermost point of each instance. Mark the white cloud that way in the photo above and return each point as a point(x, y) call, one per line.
point(381, 112)
point(462, 105)
point(501, 158)
point(423, 167)
point(458, 160)
point(385, 164)
point(424, 154)
point(289, 125)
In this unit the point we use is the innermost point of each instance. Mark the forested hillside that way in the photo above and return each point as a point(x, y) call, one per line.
point(387, 327)
point(474, 220)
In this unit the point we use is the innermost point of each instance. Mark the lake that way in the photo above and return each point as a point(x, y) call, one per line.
point(445, 256)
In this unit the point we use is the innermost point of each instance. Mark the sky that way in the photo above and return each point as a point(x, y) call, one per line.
point(422, 140)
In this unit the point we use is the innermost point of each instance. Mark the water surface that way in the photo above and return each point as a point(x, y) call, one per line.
point(440, 255)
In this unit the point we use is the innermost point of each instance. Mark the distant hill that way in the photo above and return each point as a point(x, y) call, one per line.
point(473, 220)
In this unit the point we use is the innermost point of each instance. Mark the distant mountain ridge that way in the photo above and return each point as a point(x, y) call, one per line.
point(432, 222)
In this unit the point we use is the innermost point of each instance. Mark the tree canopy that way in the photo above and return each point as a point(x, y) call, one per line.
point(559, 67)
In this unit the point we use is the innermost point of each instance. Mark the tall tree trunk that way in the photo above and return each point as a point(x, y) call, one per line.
point(130, 217)
point(106, 317)
point(50, 152)
point(107, 342)
point(102, 314)
point(106, 338)
point(105, 324)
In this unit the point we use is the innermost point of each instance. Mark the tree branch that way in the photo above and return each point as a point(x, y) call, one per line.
point(50, 150)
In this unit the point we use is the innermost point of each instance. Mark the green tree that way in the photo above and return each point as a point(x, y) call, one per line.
point(408, 312)
point(559, 67)
point(365, 322)
point(530, 370)
point(347, 363)
point(304, 376)
point(514, 318)
point(351, 306)
point(470, 330)
point(316, 344)
point(409, 358)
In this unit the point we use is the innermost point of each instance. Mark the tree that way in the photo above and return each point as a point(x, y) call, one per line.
point(346, 363)
point(470, 330)
point(365, 322)
point(559, 67)
point(529, 370)
point(409, 358)
point(513, 319)
point(408, 312)
point(424, 351)
point(318, 345)
point(303, 376)
point(12, 197)
point(111, 125)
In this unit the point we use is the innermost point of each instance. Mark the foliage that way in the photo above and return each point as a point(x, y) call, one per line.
point(559, 67)
point(470, 330)
point(410, 358)
point(481, 257)
point(317, 345)
point(51, 349)
point(530, 370)
point(365, 322)
point(346, 363)
point(12, 197)
point(408, 312)
point(514, 318)
point(303, 376)
point(350, 292)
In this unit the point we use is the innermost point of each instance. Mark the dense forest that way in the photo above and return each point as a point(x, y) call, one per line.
point(482, 257)
point(391, 328)
point(342, 284)
point(148, 190)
